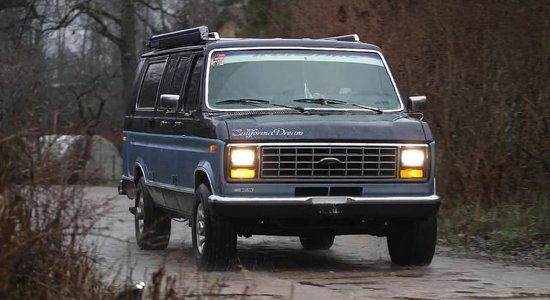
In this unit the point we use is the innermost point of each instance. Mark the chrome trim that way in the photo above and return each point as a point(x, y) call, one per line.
point(164, 185)
point(213, 36)
point(326, 144)
point(394, 179)
point(353, 36)
point(207, 176)
point(170, 187)
point(298, 48)
point(137, 164)
point(129, 178)
point(306, 162)
point(322, 200)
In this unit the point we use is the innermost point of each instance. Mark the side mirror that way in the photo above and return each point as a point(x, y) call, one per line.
point(169, 102)
point(417, 103)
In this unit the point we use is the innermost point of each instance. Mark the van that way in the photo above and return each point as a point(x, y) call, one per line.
point(289, 137)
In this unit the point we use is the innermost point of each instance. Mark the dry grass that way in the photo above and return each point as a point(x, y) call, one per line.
point(516, 230)
point(41, 238)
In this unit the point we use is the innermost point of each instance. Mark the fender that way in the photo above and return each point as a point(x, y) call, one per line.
point(144, 171)
point(127, 185)
point(206, 167)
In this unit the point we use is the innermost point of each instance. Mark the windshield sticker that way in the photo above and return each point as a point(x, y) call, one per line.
point(253, 132)
point(218, 59)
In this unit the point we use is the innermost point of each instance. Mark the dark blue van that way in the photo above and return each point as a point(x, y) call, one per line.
point(300, 137)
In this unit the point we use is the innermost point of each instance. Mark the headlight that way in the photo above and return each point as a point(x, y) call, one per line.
point(413, 161)
point(242, 163)
point(412, 158)
point(243, 157)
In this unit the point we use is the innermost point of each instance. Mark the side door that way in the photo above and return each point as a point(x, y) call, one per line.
point(183, 153)
point(170, 128)
point(196, 147)
point(144, 140)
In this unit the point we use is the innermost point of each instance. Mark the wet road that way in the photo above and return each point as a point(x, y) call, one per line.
point(356, 267)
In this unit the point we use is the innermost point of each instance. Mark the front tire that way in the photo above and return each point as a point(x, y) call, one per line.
point(412, 242)
point(152, 225)
point(214, 241)
point(317, 242)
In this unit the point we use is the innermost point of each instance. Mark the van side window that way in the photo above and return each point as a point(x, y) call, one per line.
point(150, 85)
point(174, 75)
point(179, 76)
point(192, 92)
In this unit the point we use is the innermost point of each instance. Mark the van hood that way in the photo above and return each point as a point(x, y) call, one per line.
point(323, 127)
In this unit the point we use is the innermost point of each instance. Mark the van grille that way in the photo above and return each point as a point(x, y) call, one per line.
point(328, 162)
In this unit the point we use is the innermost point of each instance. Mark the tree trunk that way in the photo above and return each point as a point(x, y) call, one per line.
point(127, 47)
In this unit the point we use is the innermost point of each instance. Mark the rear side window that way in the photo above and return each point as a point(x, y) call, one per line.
point(177, 81)
point(150, 84)
point(192, 93)
point(174, 76)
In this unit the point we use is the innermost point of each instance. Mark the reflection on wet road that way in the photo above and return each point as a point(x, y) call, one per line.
point(356, 267)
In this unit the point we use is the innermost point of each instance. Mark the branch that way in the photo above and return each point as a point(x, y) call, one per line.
point(147, 23)
point(5, 4)
point(104, 29)
point(158, 8)
point(66, 20)
point(97, 15)
point(91, 10)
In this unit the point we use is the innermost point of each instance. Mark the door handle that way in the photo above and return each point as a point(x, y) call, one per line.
point(178, 124)
point(164, 123)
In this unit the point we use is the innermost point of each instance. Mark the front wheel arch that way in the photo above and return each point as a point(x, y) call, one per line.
point(202, 177)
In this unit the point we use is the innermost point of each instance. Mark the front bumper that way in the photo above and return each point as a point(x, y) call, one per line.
point(341, 206)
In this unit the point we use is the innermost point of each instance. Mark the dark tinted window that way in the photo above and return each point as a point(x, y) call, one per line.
point(149, 87)
point(168, 75)
point(192, 93)
point(179, 76)
point(174, 75)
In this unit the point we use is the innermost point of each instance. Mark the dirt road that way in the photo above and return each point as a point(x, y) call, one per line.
point(356, 267)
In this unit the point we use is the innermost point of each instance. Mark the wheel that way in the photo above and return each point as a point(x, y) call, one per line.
point(152, 224)
point(317, 242)
point(412, 242)
point(214, 241)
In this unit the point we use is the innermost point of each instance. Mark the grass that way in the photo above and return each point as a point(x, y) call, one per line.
point(519, 230)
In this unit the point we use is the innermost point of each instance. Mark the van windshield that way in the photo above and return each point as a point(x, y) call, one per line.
point(287, 77)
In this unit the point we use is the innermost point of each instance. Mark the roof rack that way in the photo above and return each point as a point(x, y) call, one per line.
point(185, 37)
point(345, 38)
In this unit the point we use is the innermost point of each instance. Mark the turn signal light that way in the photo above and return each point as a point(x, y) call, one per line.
point(411, 173)
point(242, 173)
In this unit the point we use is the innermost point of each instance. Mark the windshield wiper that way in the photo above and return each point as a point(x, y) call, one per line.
point(325, 101)
point(298, 108)
point(243, 100)
point(260, 101)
